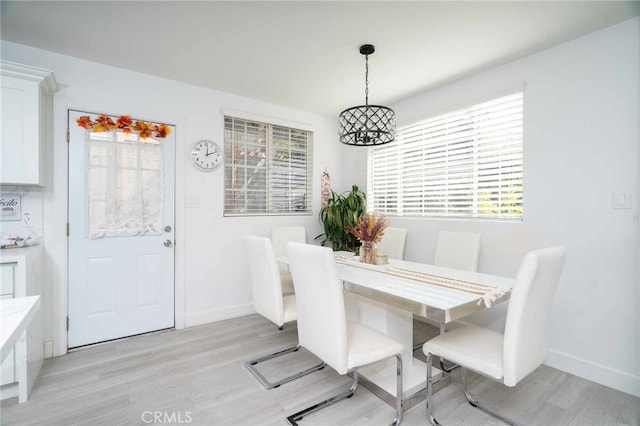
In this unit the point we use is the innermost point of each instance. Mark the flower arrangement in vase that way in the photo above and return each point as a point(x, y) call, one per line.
point(369, 229)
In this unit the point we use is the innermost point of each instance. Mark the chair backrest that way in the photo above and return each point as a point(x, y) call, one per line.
point(526, 333)
point(392, 243)
point(281, 235)
point(322, 327)
point(266, 288)
point(459, 250)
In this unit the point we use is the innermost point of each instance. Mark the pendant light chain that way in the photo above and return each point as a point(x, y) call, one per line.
point(366, 79)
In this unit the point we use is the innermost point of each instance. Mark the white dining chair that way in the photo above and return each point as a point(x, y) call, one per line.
point(280, 236)
point(324, 330)
point(510, 356)
point(393, 242)
point(459, 250)
point(268, 301)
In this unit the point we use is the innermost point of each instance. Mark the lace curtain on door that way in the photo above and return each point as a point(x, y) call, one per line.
point(125, 184)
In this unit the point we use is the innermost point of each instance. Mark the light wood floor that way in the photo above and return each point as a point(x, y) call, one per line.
point(196, 376)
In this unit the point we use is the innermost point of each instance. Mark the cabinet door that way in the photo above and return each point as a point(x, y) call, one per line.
point(7, 371)
point(20, 132)
point(7, 274)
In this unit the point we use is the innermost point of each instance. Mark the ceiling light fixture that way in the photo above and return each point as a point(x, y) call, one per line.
point(367, 125)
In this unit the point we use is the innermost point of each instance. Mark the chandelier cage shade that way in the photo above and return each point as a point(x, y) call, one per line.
point(367, 125)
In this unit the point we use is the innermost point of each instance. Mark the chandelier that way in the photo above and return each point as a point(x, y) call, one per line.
point(367, 125)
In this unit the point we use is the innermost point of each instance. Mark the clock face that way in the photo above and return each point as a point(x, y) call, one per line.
point(206, 155)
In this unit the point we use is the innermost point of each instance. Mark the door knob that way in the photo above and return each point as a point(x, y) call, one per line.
point(168, 243)
point(167, 228)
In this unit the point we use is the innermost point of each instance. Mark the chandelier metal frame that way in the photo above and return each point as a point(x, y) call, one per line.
point(367, 125)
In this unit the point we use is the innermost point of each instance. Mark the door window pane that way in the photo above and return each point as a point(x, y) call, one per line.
point(125, 184)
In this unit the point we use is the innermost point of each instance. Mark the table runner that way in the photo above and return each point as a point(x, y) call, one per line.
point(487, 294)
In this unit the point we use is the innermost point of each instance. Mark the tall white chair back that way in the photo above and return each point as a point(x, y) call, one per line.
point(393, 242)
point(459, 250)
point(266, 288)
point(527, 329)
point(281, 235)
point(320, 302)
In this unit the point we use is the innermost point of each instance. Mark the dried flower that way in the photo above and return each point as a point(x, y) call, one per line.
point(370, 227)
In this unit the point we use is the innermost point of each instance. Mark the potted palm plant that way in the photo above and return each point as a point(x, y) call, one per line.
point(339, 215)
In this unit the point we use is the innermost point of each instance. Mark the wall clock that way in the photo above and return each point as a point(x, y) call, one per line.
point(206, 155)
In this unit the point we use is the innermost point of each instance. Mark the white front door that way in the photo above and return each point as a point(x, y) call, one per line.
point(121, 233)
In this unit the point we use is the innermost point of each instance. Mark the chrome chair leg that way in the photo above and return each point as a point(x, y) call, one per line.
point(445, 368)
point(432, 419)
point(442, 366)
point(294, 418)
point(251, 366)
point(474, 402)
point(443, 329)
point(399, 407)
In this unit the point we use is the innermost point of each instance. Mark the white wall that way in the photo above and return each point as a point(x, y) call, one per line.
point(211, 278)
point(581, 144)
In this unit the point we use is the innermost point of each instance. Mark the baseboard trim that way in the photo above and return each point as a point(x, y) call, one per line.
point(48, 349)
point(228, 312)
point(598, 373)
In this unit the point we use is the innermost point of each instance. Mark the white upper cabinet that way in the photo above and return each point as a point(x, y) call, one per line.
point(26, 123)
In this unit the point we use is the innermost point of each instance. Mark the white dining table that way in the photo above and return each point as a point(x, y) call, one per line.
point(378, 297)
point(15, 315)
point(20, 328)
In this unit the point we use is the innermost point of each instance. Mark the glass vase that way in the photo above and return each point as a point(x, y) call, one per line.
point(368, 252)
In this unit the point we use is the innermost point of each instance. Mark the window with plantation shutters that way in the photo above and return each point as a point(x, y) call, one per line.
point(465, 163)
point(267, 168)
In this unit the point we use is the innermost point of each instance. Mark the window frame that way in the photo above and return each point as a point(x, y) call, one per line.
point(271, 129)
point(390, 167)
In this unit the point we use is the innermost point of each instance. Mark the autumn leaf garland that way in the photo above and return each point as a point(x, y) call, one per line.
point(104, 123)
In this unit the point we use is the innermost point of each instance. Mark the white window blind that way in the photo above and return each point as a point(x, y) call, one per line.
point(267, 168)
point(465, 163)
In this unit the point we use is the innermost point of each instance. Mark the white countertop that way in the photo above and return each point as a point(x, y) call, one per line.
point(16, 254)
point(15, 315)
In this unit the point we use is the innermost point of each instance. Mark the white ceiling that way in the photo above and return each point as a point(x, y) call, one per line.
point(304, 54)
